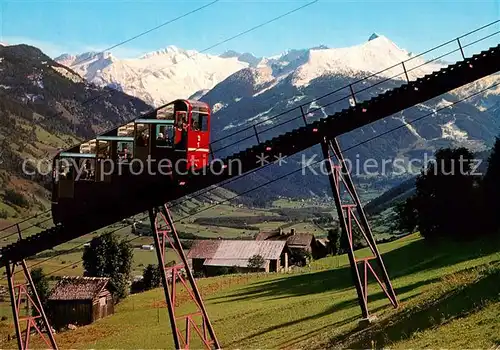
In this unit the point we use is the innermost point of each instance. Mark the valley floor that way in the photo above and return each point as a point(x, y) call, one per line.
point(449, 295)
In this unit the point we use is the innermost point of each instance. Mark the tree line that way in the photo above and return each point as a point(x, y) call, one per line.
point(452, 199)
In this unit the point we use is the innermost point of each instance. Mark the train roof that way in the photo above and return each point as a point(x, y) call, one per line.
point(193, 103)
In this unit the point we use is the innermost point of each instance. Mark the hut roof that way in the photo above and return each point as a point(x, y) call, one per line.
point(78, 288)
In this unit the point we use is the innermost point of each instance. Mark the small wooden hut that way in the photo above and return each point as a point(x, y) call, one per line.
point(79, 301)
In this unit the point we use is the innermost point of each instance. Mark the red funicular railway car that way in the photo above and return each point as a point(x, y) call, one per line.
point(127, 169)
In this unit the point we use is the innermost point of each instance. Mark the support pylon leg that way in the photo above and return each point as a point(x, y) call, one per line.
point(161, 237)
point(351, 215)
point(17, 293)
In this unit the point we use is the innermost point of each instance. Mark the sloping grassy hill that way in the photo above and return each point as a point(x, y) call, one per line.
point(440, 287)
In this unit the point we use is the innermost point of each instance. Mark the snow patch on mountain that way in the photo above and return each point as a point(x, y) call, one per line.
point(451, 131)
point(217, 107)
point(444, 103)
point(409, 127)
point(293, 101)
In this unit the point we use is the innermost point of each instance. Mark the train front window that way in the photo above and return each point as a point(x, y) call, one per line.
point(164, 136)
point(181, 120)
point(199, 121)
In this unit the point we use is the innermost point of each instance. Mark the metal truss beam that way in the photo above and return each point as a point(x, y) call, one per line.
point(35, 321)
point(165, 235)
point(351, 215)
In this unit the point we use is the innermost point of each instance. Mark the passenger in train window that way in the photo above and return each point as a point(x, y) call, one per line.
point(126, 153)
point(86, 170)
point(195, 125)
point(143, 139)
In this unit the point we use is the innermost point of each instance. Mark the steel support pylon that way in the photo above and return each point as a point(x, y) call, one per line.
point(166, 236)
point(351, 215)
point(19, 292)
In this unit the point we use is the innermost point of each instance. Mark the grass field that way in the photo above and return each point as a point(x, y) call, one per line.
point(449, 295)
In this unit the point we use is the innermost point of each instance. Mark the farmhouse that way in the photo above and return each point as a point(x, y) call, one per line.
point(79, 301)
point(209, 255)
point(295, 241)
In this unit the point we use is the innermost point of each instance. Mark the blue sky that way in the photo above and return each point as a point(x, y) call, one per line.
point(78, 26)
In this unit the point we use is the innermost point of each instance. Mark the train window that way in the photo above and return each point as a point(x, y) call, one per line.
point(164, 136)
point(142, 135)
point(86, 170)
point(199, 122)
point(181, 125)
point(65, 169)
point(125, 151)
point(166, 112)
point(67, 175)
point(103, 149)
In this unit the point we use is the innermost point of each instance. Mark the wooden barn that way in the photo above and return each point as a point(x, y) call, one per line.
point(207, 256)
point(296, 241)
point(79, 301)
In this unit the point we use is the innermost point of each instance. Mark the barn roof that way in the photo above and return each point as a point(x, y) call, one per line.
point(234, 253)
point(78, 288)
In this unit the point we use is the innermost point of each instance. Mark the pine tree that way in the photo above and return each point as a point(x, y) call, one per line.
point(334, 240)
point(151, 277)
point(446, 199)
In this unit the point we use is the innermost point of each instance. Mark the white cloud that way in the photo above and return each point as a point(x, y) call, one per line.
point(53, 49)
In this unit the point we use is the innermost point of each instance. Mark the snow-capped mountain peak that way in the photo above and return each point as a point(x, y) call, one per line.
point(373, 36)
point(170, 50)
point(157, 77)
point(83, 58)
point(370, 57)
